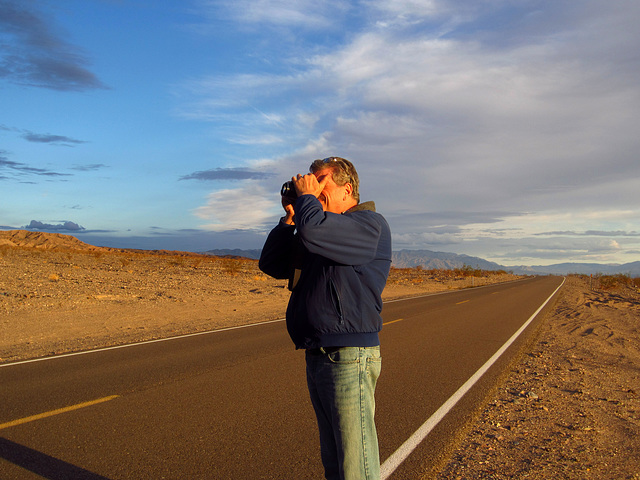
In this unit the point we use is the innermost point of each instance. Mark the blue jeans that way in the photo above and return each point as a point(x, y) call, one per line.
point(342, 383)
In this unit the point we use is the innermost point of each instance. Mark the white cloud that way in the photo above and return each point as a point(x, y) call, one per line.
point(532, 251)
point(256, 140)
point(243, 208)
point(304, 13)
point(495, 107)
point(418, 240)
point(404, 8)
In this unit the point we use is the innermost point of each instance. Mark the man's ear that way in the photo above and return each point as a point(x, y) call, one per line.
point(349, 188)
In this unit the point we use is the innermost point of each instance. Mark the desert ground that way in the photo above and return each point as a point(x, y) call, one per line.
point(568, 407)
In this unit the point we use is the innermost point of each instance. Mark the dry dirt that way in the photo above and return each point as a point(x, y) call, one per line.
point(568, 409)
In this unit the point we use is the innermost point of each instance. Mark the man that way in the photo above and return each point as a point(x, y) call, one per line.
point(336, 253)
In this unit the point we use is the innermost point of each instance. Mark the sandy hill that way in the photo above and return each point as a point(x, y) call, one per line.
point(42, 240)
point(60, 242)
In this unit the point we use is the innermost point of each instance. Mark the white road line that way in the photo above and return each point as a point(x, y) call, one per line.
point(115, 347)
point(394, 461)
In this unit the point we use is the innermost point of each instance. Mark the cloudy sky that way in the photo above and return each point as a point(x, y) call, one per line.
point(501, 129)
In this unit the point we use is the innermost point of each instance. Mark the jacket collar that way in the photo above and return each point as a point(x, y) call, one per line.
point(371, 206)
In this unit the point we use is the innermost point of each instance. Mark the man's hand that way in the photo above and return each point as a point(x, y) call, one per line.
point(308, 184)
point(289, 212)
point(305, 185)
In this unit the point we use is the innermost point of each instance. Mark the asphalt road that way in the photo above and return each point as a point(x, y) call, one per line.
point(233, 404)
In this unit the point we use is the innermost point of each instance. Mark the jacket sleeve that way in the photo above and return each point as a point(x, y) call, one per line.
point(350, 239)
point(275, 258)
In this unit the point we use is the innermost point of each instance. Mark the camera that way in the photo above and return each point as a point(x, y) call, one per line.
point(288, 190)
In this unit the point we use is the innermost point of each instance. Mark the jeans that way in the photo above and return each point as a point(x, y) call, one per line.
point(342, 383)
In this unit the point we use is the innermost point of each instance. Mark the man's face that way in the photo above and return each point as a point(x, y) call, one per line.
point(334, 198)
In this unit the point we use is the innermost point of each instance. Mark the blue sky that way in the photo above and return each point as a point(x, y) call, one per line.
point(501, 129)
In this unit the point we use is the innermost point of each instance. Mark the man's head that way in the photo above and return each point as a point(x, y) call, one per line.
point(342, 190)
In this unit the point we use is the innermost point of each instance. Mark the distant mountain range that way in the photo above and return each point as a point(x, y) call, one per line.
point(440, 260)
point(428, 260)
point(234, 252)
point(632, 269)
point(402, 259)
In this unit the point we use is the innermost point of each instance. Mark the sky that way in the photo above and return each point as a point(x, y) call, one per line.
point(506, 130)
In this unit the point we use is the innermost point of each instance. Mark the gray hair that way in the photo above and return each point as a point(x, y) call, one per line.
point(343, 172)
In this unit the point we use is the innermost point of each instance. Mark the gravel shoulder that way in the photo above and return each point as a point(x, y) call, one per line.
point(569, 408)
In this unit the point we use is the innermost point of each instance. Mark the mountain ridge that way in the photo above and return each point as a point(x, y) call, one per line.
point(430, 259)
point(427, 259)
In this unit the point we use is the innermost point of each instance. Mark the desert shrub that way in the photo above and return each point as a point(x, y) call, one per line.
point(177, 261)
point(231, 266)
point(611, 282)
point(469, 271)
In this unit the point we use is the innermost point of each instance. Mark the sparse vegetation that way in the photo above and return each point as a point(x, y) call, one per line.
point(614, 282)
point(231, 265)
point(463, 277)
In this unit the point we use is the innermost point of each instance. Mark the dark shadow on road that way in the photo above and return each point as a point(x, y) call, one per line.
point(42, 464)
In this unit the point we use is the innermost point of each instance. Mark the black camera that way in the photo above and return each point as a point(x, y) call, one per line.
point(288, 190)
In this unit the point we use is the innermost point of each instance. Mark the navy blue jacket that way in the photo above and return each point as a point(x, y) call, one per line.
point(344, 263)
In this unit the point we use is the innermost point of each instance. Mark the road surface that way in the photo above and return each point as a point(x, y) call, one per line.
point(232, 404)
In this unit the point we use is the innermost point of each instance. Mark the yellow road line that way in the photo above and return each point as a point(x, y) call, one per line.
point(51, 413)
point(393, 321)
point(464, 301)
